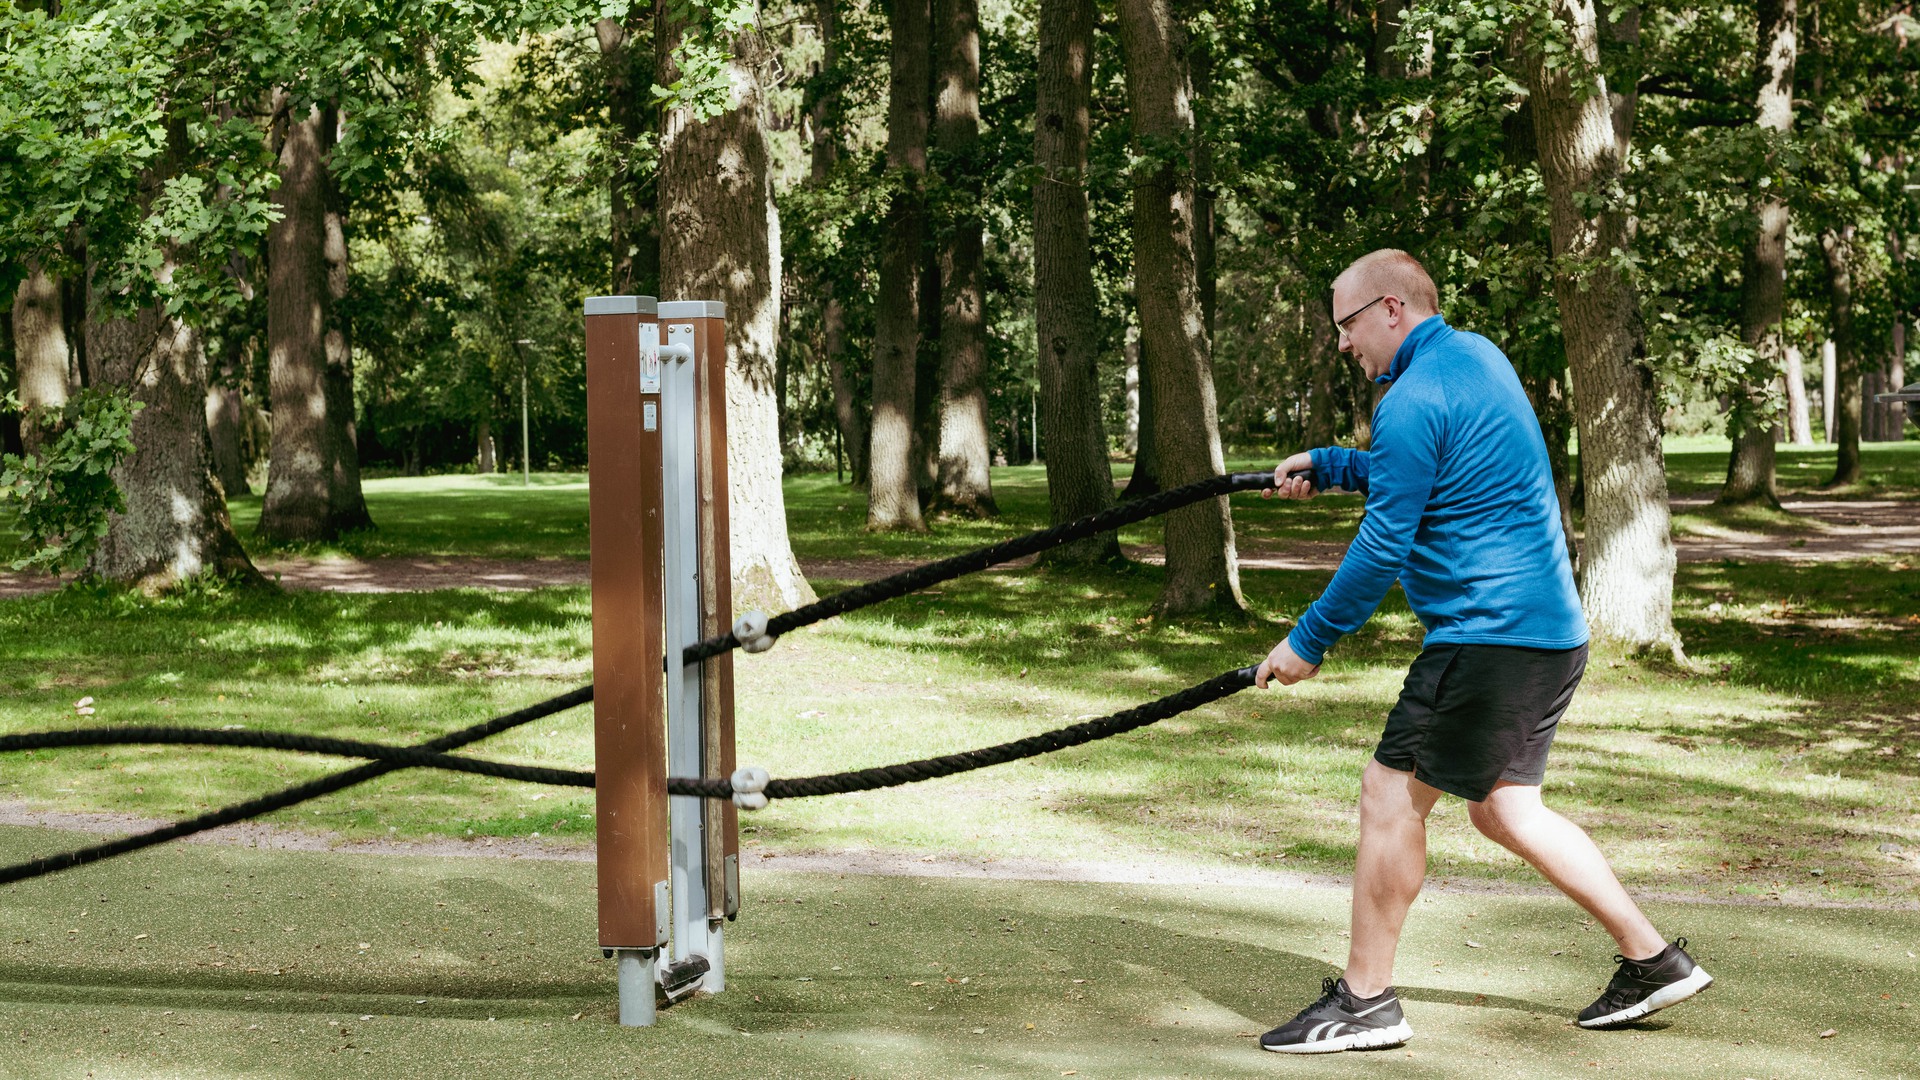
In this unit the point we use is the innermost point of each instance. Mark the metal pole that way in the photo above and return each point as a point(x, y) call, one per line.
point(634, 971)
point(526, 448)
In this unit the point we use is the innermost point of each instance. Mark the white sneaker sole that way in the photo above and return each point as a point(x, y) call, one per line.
point(1376, 1039)
point(1671, 994)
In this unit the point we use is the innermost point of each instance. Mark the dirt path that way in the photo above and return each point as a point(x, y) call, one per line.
point(1839, 530)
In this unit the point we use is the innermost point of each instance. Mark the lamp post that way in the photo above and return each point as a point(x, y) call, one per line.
point(526, 448)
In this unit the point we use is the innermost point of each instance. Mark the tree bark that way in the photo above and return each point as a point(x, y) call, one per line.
point(313, 472)
point(1627, 576)
point(1202, 575)
point(225, 420)
point(627, 70)
point(1145, 478)
point(825, 114)
point(1325, 368)
point(893, 497)
point(175, 526)
point(1066, 307)
point(1548, 394)
point(349, 503)
point(1836, 247)
point(41, 359)
point(962, 483)
point(719, 239)
point(1750, 466)
point(1799, 425)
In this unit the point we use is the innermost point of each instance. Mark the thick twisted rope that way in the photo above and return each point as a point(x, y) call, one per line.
point(408, 756)
point(1223, 685)
point(291, 796)
point(389, 758)
point(933, 573)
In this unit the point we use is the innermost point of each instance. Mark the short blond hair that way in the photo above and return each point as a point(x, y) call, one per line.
point(1392, 272)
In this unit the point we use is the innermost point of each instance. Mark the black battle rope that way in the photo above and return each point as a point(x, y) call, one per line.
point(410, 756)
point(389, 759)
point(292, 796)
point(933, 573)
point(908, 772)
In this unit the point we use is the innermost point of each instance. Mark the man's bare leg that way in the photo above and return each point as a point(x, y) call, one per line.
point(1388, 867)
point(1514, 817)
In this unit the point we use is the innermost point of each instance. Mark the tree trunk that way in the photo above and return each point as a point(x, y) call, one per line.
point(1325, 366)
point(1836, 247)
point(1365, 395)
point(1627, 576)
point(719, 240)
point(1066, 307)
point(1202, 575)
point(826, 117)
point(1799, 426)
point(962, 484)
point(313, 473)
point(1130, 383)
point(847, 413)
point(41, 358)
point(627, 69)
point(483, 437)
point(1205, 263)
point(1549, 398)
point(1145, 478)
point(225, 419)
point(175, 526)
point(893, 497)
point(1751, 422)
point(926, 374)
point(344, 494)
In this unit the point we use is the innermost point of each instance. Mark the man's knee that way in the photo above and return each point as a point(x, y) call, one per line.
point(1392, 793)
point(1507, 807)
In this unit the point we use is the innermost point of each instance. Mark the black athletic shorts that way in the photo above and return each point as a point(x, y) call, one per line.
point(1472, 715)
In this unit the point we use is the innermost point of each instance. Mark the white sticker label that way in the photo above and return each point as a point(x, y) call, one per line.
point(649, 360)
point(649, 414)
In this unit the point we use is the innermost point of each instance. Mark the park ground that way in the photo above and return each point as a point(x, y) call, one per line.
point(1767, 799)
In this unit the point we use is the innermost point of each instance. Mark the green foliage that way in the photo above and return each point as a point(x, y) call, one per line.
point(64, 495)
point(702, 54)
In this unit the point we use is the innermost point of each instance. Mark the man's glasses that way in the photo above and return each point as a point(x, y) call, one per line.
point(1341, 324)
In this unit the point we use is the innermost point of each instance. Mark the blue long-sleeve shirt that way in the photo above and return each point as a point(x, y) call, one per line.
point(1461, 507)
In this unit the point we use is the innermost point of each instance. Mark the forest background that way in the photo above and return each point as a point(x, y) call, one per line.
point(276, 246)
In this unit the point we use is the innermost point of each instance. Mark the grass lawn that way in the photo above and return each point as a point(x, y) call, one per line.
point(1787, 768)
point(229, 962)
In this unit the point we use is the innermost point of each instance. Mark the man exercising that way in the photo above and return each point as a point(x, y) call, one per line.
point(1461, 511)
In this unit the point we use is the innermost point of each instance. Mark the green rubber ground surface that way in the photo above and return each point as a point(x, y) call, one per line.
point(206, 961)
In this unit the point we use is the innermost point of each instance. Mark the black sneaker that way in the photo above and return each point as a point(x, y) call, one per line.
point(1340, 1020)
point(1642, 987)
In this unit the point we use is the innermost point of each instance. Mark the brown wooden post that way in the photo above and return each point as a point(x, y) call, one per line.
point(625, 529)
